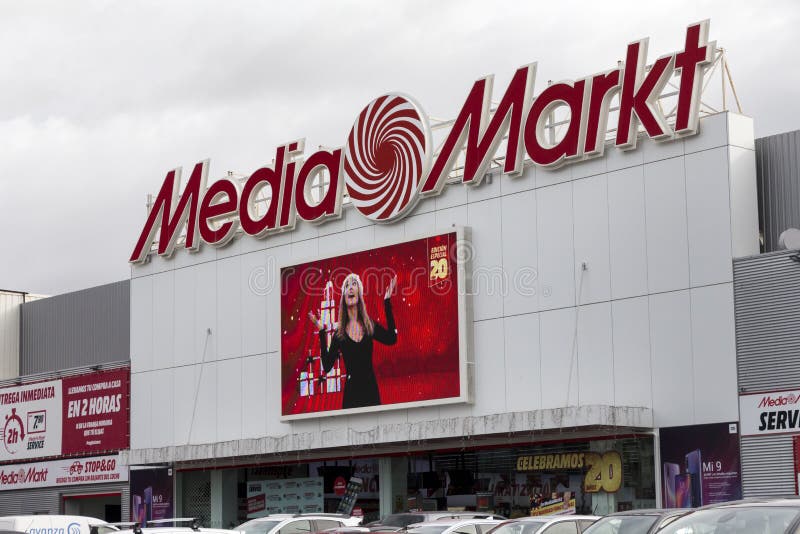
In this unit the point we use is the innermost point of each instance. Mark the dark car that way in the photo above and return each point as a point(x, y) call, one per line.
point(395, 522)
point(754, 516)
point(636, 521)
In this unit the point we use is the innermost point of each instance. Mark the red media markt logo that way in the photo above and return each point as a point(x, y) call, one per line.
point(13, 432)
point(387, 156)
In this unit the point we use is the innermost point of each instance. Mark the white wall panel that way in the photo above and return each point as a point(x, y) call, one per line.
point(671, 353)
point(519, 252)
point(276, 258)
point(627, 233)
point(658, 150)
point(204, 429)
point(590, 201)
point(418, 225)
point(184, 337)
point(667, 242)
point(254, 281)
point(631, 338)
point(388, 234)
point(489, 188)
point(161, 412)
point(713, 133)
point(595, 355)
point(205, 312)
point(141, 324)
point(141, 429)
point(452, 195)
point(229, 307)
point(254, 397)
point(548, 177)
point(555, 246)
point(272, 383)
point(489, 279)
point(740, 131)
point(709, 219)
point(515, 184)
point(522, 363)
point(744, 202)
point(713, 340)
point(589, 167)
point(617, 159)
point(163, 319)
point(229, 399)
point(359, 239)
point(558, 348)
point(184, 392)
point(490, 367)
point(446, 219)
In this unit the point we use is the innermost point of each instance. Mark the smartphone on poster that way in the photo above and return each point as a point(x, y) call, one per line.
point(683, 491)
point(694, 467)
point(670, 471)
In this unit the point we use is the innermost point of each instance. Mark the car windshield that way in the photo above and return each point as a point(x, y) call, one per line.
point(744, 520)
point(518, 527)
point(401, 520)
point(428, 529)
point(257, 527)
point(623, 524)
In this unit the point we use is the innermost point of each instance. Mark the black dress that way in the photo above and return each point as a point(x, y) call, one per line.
point(361, 386)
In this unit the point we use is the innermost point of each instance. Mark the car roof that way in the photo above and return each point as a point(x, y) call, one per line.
point(453, 522)
point(552, 518)
point(790, 502)
point(176, 530)
point(653, 511)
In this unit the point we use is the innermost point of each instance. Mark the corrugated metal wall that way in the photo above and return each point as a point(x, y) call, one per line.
point(778, 169)
point(48, 500)
point(10, 302)
point(767, 302)
point(87, 327)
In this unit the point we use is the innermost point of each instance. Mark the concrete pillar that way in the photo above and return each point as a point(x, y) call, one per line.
point(223, 498)
point(393, 479)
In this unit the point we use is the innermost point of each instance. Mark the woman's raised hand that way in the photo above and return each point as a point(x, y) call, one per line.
point(313, 318)
point(390, 289)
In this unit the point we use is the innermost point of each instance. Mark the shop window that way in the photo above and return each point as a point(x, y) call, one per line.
point(564, 527)
point(301, 526)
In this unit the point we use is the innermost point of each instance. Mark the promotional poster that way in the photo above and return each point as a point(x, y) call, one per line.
point(287, 496)
point(373, 329)
point(151, 494)
point(700, 465)
point(73, 415)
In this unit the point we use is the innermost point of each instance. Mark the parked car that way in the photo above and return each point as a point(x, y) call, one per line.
point(754, 516)
point(394, 522)
point(68, 524)
point(453, 526)
point(646, 521)
point(296, 524)
point(558, 524)
point(175, 525)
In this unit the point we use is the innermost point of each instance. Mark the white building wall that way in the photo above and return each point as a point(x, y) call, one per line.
point(656, 227)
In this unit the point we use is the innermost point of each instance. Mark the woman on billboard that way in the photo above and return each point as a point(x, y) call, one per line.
point(353, 342)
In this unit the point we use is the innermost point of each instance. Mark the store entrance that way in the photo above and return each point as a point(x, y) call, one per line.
point(106, 506)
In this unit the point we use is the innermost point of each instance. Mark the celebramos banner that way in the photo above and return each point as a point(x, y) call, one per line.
point(700, 465)
point(66, 472)
point(416, 352)
point(74, 415)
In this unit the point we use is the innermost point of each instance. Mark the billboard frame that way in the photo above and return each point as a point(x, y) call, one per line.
point(466, 363)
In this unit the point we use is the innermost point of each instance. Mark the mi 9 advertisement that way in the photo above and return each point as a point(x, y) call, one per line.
point(700, 464)
point(376, 329)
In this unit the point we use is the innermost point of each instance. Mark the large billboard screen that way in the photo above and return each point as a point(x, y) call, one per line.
point(377, 329)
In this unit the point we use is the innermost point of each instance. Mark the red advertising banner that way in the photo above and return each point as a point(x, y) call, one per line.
point(796, 446)
point(84, 414)
point(402, 342)
point(95, 415)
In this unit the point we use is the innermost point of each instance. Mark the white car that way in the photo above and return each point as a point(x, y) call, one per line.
point(296, 524)
point(68, 524)
point(193, 527)
point(454, 526)
point(552, 524)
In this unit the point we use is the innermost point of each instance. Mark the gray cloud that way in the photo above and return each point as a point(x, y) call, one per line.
point(100, 99)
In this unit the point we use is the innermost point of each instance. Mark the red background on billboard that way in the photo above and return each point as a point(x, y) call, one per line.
point(423, 364)
point(116, 435)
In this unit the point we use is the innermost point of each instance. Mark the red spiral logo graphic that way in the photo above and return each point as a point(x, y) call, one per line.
point(386, 157)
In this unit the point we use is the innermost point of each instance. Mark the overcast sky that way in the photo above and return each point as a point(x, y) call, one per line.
point(99, 100)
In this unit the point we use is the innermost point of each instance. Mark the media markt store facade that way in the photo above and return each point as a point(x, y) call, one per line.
point(528, 337)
